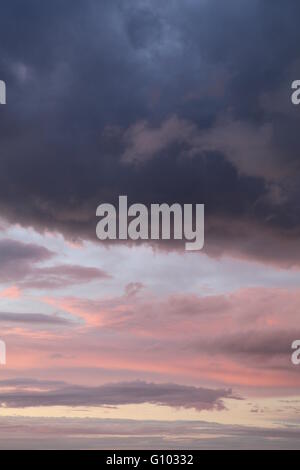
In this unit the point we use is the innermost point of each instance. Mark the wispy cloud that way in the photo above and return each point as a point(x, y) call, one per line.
point(55, 433)
point(32, 319)
point(20, 264)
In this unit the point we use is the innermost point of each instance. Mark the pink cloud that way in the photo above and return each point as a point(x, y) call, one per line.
point(10, 293)
point(242, 338)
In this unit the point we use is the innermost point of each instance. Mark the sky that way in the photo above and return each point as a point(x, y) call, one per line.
point(144, 345)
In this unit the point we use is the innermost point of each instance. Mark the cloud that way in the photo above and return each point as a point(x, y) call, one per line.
point(163, 102)
point(19, 265)
point(133, 288)
point(32, 319)
point(241, 338)
point(143, 142)
point(262, 344)
point(216, 110)
point(118, 394)
point(10, 293)
point(29, 383)
point(248, 147)
point(156, 315)
point(71, 433)
point(254, 242)
point(16, 258)
point(58, 277)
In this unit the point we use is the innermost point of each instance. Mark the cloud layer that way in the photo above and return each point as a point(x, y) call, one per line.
point(207, 116)
point(47, 433)
point(112, 395)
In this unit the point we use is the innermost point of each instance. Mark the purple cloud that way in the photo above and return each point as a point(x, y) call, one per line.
point(119, 394)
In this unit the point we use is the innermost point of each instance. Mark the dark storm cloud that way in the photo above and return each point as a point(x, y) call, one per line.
point(118, 394)
point(82, 76)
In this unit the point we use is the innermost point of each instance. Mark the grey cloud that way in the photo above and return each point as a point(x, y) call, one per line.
point(61, 276)
point(24, 383)
point(19, 264)
point(71, 433)
point(133, 289)
point(144, 142)
point(13, 253)
point(32, 319)
point(121, 394)
point(271, 350)
point(248, 147)
point(259, 343)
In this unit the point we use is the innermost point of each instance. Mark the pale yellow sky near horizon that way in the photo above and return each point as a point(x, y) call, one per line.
point(269, 412)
